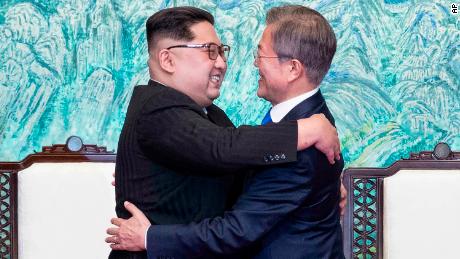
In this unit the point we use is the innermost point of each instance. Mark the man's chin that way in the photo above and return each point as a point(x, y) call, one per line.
point(259, 92)
point(213, 96)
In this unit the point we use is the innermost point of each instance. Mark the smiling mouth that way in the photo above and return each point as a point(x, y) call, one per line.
point(260, 75)
point(215, 78)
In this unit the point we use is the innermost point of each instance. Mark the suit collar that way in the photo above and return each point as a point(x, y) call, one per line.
point(154, 83)
point(306, 108)
point(282, 109)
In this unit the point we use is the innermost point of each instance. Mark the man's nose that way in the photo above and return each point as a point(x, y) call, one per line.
point(220, 63)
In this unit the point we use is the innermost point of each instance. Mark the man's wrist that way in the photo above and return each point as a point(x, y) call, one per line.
point(304, 137)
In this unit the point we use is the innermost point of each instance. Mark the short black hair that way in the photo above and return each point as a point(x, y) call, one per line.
point(174, 23)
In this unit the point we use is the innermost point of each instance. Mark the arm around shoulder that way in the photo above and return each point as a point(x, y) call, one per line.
point(184, 136)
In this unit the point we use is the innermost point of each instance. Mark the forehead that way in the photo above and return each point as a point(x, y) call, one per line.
point(204, 33)
point(265, 42)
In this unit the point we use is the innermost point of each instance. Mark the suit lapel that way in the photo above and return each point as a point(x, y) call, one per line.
point(306, 108)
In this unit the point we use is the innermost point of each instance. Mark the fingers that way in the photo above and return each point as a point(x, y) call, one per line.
point(337, 156)
point(133, 209)
point(330, 156)
point(343, 191)
point(328, 141)
point(343, 199)
point(337, 149)
point(115, 243)
point(116, 247)
point(113, 181)
point(113, 231)
point(111, 239)
point(343, 205)
point(117, 221)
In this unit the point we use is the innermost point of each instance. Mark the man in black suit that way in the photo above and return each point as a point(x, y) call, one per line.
point(291, 210)
point(179, 158)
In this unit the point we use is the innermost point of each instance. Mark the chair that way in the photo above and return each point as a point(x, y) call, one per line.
point(408, 210)
point(57, 203)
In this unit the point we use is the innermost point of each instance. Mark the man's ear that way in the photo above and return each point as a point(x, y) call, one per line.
point(296, 69)
point(166, 61)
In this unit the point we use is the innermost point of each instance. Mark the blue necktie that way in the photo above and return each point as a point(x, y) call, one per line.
point(267, 118)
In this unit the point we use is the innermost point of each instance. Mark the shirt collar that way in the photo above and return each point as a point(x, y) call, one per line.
point(280, 110)
point(157, 81)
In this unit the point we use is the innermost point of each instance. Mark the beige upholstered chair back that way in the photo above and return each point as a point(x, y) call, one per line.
point(408, 210)
point(58, 204)
point(421, 214)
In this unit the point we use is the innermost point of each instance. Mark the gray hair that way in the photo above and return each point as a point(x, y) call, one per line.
point(304, 34)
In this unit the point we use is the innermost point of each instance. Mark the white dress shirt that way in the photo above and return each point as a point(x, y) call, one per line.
point(282, 109)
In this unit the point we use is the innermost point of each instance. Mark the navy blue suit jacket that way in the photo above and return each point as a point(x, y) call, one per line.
point(179, 165)
point(287, 211)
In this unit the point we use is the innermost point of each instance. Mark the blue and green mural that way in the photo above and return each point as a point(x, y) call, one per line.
point(68, 67)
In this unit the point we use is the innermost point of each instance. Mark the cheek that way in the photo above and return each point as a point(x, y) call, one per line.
point(198, 66)
point(266, 69)
point(261, 69)
point(199, 73)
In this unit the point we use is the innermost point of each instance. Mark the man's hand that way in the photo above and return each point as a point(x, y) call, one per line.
point(318, 131)
point(130, 233)
point(343, 199)
point(113, 181)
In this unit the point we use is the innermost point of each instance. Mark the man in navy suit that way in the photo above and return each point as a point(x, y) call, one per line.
point(289, 210)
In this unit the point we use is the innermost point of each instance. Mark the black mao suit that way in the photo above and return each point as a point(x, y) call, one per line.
point(180, 165)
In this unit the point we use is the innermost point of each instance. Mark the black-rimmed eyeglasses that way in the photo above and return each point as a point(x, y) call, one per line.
point(213, 49)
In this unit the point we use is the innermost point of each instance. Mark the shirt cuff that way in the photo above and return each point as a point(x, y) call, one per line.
point(145, 235)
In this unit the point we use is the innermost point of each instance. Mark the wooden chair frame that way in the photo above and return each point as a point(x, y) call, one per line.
point(8, 185)
point(363, 219)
